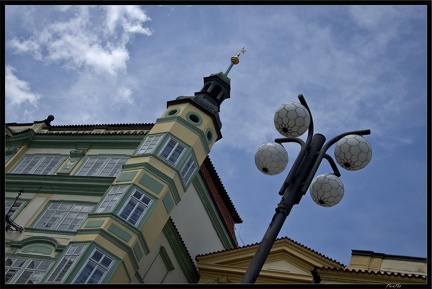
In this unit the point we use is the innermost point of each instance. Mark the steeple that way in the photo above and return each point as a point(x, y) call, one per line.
point(215, 90)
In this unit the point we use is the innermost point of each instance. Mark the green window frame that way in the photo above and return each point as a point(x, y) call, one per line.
point(63, 216)
point(149, 144)
point(188, 170)
point(135, 207)
point(38, 164)
point(111, 198)
point(67, 262)
point(101, 166)
point(127, 202)
point(95, 268)
point(19, 204)
point(20, 270)
point(172, 151)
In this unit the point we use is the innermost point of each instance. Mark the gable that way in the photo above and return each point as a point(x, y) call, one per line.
point(283, 266)
point(288, 262)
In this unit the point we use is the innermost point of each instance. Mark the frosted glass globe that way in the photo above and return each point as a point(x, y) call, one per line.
point(353, 152)
point(291, 119)
point(327, 190)
point(271, 158)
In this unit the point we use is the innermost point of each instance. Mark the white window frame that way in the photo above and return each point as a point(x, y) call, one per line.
point(58, 215)
point(188, 169)
point(98, 265)
point(38, 164)
point(170, 152)
point(96, 165)
point(137, 201)
point(149, 144)
point(111, 198)
point(20, 267)
point(67, 262)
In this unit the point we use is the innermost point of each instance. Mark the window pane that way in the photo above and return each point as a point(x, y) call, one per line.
point(24, 277)
point(172, 151)
point(106, 261)
point(27, 164)
point(62, 216)
point(35, 278)
point(14, 209)
point(113, 166)
point(91, 166)
point(103, 166)
point(30, 271)
point(128, 209)
point(38, 164)
point(9, 274)
point(85, 273)
point(96, 276)
point(188, 169)
point(146, 200)
point(135, 207)
point(97, 256)
point(67, 261)
point(176, 153)
point(47, 165)
point(149, 144)
point(137, 213)
point(95, 268)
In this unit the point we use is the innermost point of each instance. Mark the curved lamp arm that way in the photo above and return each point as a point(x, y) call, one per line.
point(303, 150)
point(323, 153)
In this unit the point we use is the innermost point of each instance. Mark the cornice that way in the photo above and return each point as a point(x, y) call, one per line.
point(58, 184)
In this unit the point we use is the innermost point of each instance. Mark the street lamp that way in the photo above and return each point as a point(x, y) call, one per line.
point(352, 152)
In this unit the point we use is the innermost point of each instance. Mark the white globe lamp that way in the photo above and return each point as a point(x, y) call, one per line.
point(292, 119)
point(327, 190)
point(271, 158)
point(353, 152)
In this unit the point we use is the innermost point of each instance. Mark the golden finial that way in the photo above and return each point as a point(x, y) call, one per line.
point(235, 60)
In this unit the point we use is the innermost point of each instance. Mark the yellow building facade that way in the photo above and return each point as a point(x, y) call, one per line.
point(290, 262)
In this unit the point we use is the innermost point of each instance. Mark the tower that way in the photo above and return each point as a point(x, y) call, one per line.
point(137, 206)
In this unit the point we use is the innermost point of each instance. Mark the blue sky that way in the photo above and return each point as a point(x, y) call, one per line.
point(359, 67)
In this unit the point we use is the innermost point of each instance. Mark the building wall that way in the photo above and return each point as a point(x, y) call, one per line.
point(194, 224)
point(167, 260)
point(369, 260)
point(161, 264)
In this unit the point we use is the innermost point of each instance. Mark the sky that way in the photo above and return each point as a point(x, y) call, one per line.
point(358, 67)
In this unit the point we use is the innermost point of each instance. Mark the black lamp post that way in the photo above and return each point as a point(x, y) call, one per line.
point(352, 152)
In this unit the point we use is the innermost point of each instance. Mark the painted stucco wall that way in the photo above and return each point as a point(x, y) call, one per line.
point(195, 226)
point(153, 269)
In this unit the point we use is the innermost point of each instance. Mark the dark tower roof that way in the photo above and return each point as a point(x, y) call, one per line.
point(215, 90)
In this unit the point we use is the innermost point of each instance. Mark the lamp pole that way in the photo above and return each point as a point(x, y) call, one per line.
point(297, 182)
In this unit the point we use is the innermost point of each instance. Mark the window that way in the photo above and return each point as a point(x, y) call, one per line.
point(95, 268)
point(66, 262)
point(149, 144)
point(102, 166)
point(172, 151)
point(15, 208)
point(38, 164)
point(111, 198)
point(135, 207)
point(25, 271)
point(188, 169)
point(63, 216)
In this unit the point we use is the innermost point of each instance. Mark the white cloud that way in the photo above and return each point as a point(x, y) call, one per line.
point(129, 17)
point(18, 91)
point(83, 42)
point(124, 94)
